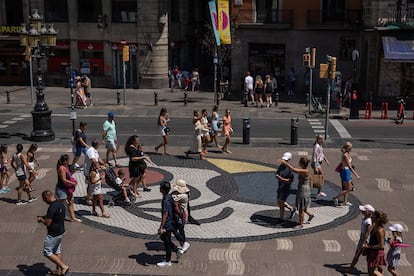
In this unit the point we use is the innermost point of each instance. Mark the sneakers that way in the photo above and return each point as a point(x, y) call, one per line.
point(32, 199)
point(186, 245)
point(179, 252)
point(348, 204)
point(147, 189)
point(299, 226)
point(164, 264)
point(292, 212)
point(76, 166)
point(321, 194)
point(21, 203)
point(335, 201)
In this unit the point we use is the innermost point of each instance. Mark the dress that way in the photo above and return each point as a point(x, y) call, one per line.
point(133, 166)
point(394, 253)
point(20, 168)
point(197, 143)
point(303, 196)
point(375, 257)
point(227, 126)
point(214, 121)
point(97, 187)
point(163, 126)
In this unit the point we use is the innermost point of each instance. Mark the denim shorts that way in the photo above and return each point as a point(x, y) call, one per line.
point(51, 245)
point(110, 145)
point(78, 151)
point(61, 193)
point(345, 175)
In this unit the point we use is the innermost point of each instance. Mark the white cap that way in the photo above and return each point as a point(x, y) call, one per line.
point(287, 156)
point(367, 208)
point(396, 227)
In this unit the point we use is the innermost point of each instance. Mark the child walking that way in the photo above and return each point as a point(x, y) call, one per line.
point(4, 172)
point(394, 253)
point(32, 160)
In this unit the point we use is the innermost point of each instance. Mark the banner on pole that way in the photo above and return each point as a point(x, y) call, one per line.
point(213, 16)
point(224, 21)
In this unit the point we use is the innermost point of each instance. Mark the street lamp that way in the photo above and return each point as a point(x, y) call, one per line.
point(354, 110)
point(38, 41)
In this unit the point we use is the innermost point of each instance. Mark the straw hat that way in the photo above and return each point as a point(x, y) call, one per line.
point(181, 186)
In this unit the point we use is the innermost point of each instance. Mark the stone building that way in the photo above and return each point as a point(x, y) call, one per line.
point(91, 34)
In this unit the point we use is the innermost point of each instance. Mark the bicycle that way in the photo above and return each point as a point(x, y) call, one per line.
point(400, 110)
point(316, 104)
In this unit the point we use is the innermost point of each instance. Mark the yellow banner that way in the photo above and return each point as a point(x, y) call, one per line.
point(224, 21)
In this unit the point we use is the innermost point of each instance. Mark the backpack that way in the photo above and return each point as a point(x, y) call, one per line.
point(180, 214)
point(110, 176)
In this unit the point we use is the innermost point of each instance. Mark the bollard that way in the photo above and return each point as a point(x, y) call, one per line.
point(185, 97)
point(118, 97)
point(8, 96)
point(276, 98)
point(294, 124)
point(155, 98)
point(246, 130)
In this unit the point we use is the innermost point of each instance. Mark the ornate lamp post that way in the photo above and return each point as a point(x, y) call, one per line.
point(38, 41)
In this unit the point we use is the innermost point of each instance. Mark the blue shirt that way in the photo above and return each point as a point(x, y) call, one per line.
point(167, 206)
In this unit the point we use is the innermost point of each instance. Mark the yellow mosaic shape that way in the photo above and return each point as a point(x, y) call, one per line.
point(232, 166)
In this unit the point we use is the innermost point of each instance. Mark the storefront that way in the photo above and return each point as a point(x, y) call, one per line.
point(267, 59)
point(91, 58)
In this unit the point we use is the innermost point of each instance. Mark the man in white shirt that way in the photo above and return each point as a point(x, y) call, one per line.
point(248, 87)
point(92, 156)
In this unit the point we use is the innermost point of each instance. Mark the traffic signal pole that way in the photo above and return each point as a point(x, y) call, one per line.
point(309, 59)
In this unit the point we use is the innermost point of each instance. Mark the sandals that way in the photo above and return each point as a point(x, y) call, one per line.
point(105, 215)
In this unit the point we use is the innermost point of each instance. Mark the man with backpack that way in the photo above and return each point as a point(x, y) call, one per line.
point(180, 196)
point(168, 225)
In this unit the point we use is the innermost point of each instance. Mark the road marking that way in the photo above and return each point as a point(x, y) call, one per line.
point(9, 122)
point(284, 244)
point(354, 235)
point(41, 173)
point(363, 157)
point(232, 256)
point(17, 119)
point(303, 153)
point(317, 126)
point(340, 129)
point(3, 126)
point(384, 185)
point(408, 187)
point(331, 245)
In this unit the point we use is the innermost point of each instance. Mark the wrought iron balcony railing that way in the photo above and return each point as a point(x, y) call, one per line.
point(322, 18)
point(252, 16)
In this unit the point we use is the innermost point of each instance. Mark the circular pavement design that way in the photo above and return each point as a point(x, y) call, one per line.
point(234, 200)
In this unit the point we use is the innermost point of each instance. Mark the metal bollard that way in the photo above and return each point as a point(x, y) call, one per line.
point(294, 124)
point(185, 97)
point(246, 130)
point(276, 98)
point(155, 98)
point(8, 96)
point(118, 97)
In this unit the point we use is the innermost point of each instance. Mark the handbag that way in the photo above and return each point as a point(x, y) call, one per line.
point(338, 168)
point(317, 181)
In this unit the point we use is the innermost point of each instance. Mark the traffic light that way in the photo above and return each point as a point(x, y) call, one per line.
point(125, 53)
point(333, 67)
point(323, 71)
point(313, 57)
point(306, 60)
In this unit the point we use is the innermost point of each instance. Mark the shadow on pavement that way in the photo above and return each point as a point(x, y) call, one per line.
point(340, 268)
point(36, 269)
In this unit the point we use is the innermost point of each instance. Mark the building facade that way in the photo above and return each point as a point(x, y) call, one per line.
point(91, 34)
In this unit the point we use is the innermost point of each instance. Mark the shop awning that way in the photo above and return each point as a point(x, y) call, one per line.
point(398, 50)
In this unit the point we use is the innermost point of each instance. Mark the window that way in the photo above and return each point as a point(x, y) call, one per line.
point(266, 10)
point(56, 11)
point(14, 12)
point(346, 48)
point(124, 11)
point(88, 10)
point(333, 9)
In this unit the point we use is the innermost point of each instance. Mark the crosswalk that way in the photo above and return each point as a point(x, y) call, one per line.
point(319, 128)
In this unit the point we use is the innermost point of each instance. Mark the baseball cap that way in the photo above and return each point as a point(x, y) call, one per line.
point(111, 114)
point(287, 156)
point(367, 208)
point(396, 227)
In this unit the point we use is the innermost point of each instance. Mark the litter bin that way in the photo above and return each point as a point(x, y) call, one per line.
point(294, 124)
point(246, 130)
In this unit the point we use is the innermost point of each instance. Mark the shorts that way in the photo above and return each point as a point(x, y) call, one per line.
point(283, 194)
point(79, 150)
point(110, 145)
point(21, 177)
point(318, 165)
point(52, 245)
point(3, 169)
point(345, 175)
point(61, 193)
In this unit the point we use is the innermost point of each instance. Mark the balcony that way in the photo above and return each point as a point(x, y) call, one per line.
point(382, 14)
point(349, 19)
point(271, 18)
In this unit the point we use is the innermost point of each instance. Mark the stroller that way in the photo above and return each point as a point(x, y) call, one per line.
point(117, 196)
